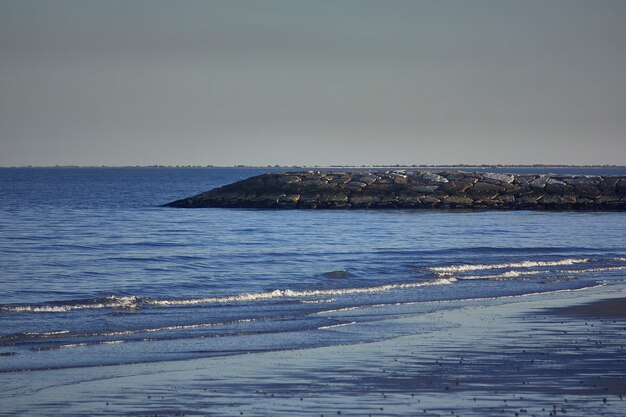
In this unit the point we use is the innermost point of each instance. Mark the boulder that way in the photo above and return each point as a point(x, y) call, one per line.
point(432, 177)
point(426, 188)
point(288, 179)
point(457, 201)
point(540, 182)
point(456, 187)
point(499, 177)
point(483, 190)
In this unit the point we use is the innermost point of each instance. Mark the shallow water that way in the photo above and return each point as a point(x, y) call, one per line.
point(95, 272)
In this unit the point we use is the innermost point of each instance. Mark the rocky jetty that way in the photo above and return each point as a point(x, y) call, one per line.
point(417, 190)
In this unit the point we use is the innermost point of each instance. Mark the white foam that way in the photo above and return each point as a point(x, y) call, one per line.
point(37, 309)
point(128, 303)
point(71, 345)
point(333, 326)
point(524, 264)
point(336, 310)
point(81, 344)
point(498, 297)
point(516, 274)
point(323, 300)
point(132, 302)
point(174, 327)
point(294, 294)
point(47, 334)
point(504, 275)
point(581, 271)
point(63, 334)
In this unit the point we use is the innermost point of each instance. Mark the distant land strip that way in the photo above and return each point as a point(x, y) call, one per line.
point(413, 189)
point(396, 166)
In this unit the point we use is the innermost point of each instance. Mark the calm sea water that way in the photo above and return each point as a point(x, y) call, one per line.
point(93, 271)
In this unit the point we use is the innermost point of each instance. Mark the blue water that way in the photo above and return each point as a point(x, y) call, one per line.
point(93, 271)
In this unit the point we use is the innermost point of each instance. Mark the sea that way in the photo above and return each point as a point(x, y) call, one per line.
point(94, 271)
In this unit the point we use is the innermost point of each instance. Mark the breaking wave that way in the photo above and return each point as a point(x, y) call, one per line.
point(445, 275)
point(517, 274)
point(117, 302)
point(133, 302)
point(504, 275)
point(64, 334)
point(307, 293)
point(524, 264)
point(333, 326)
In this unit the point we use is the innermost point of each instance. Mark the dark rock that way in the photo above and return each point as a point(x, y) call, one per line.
point(524, 179)
point(430, 201)
point(432, 177)
point(540, 182)
point(456, 187)
point(400, 179)
point(289, 199)
point(367, 178)
point(550, 200)
point(519, 190)
point(457, 201)
point(484, 190)
point(355, 185)
point(567, 199)
point(455, 176)
point(383, 179)
point(426, 188)
point(608, 184)
point(506, 199)
point(288, 179)
point(528, 200)
point(586, 191)
point(381, 187)
point(558, 188)
point(362, 200)
point(582, 180)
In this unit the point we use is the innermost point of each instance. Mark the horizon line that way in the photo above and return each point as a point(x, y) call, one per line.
point(195, 166)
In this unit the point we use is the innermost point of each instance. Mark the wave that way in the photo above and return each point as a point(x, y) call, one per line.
point(602, 269)
point(504, 275)
point(524, 264)
point(81, 344)
point(113, 301)
point(516, 274)
point(318, 301)
point(56, 333)
point(64, 334)
point(456, 300)
point(307, 293)
point(445, 275)
point(333, 326)
point(133, 302)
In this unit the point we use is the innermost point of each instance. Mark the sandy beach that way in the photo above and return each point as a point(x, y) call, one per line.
point(556, 354)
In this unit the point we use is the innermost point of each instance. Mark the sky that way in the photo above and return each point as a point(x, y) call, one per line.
point(318, 82)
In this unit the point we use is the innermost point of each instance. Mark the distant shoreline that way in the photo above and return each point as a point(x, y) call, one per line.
point(314, 167)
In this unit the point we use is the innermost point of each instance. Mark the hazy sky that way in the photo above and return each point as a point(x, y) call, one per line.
point(312, 82)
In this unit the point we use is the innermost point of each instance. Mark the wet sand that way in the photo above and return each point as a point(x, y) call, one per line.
point(611, 308)
point(562, 354)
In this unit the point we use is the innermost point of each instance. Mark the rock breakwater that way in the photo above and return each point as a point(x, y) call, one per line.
point(416, 190)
